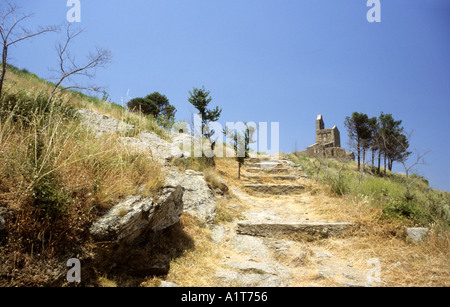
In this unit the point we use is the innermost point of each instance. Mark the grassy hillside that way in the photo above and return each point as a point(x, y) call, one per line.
point(55, 176)
point(423, 206)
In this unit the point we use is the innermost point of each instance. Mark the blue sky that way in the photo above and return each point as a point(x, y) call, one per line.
point(280, 61)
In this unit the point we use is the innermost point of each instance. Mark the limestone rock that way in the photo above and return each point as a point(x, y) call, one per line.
point(101, 124)
point(146, 142)
point(198, 199)
point(128, 219)
point(151, 144)
point(160, 148)
point(417, 234)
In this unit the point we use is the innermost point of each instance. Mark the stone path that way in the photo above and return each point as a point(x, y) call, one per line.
point(269, 246)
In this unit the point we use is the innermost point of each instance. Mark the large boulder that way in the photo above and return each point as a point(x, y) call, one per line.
point(132, 236)
point(198, 198)
point(129, 219)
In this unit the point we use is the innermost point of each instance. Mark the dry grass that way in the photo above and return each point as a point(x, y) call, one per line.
point(197, 265)
point(403, 263)
point(56, 177)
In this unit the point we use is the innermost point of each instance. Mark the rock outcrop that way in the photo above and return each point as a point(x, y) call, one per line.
point(129, 219)
point(148, 143)
point(102, 124)
point(198, 198)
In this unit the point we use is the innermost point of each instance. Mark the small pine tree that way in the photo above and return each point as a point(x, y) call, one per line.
point(200, 99)
point(241, 144)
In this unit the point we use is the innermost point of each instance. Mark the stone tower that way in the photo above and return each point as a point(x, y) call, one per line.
point(327, 137)
point(328, 142)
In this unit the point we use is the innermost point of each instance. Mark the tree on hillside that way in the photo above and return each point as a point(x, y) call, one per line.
point(68, 68)
point(11, 33)
point(200, 99)
point(374, 142)
point(241, 143)
point(393, 142)
point(154, 104)
point(360, 130)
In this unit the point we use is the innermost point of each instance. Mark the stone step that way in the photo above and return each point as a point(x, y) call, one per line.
point(274, 177)
point(322, 230)
point(268, 170)
point(264, 164)
point(276, 189)
point(259, 159)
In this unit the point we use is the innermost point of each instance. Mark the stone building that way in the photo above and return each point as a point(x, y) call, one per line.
point(328, 142)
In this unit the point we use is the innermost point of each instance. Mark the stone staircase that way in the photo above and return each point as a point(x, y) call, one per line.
point(279, 217)
point(260, 171)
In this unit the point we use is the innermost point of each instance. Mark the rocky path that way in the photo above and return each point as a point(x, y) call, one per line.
point(278, 242)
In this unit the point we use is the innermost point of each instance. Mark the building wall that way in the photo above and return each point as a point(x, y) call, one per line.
point(328, 142)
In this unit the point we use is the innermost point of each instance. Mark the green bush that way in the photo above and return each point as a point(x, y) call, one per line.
point(25, 108)
point(50, 200)
point(339, 187)
point(406, 209)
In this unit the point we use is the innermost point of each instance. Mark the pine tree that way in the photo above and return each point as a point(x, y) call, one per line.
point(200, 99)
point(360, 130)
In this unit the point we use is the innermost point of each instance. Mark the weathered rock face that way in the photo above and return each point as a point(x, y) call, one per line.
point(134, 234)
point(417, 234)
point(146, 142)
point(198, 199)
point(101, 124)
point(151, 144)
point(129, 219)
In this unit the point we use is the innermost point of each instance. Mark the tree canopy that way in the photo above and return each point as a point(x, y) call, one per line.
point(383, 134)
point(154, 104)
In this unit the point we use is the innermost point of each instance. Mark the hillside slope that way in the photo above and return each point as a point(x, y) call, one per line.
point(288, 222)
point(309, 237)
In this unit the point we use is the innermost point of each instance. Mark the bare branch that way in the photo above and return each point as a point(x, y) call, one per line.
point(10, 33)
point(68, 67)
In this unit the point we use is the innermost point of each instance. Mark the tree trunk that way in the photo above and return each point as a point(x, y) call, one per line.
point(390, 162)
point(359, 154)
point(373, 157)
point(239, 171)
point(2, 77)
point(379, 161)
point(361, 175)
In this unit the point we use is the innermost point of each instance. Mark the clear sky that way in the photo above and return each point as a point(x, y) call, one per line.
point(280, 61)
